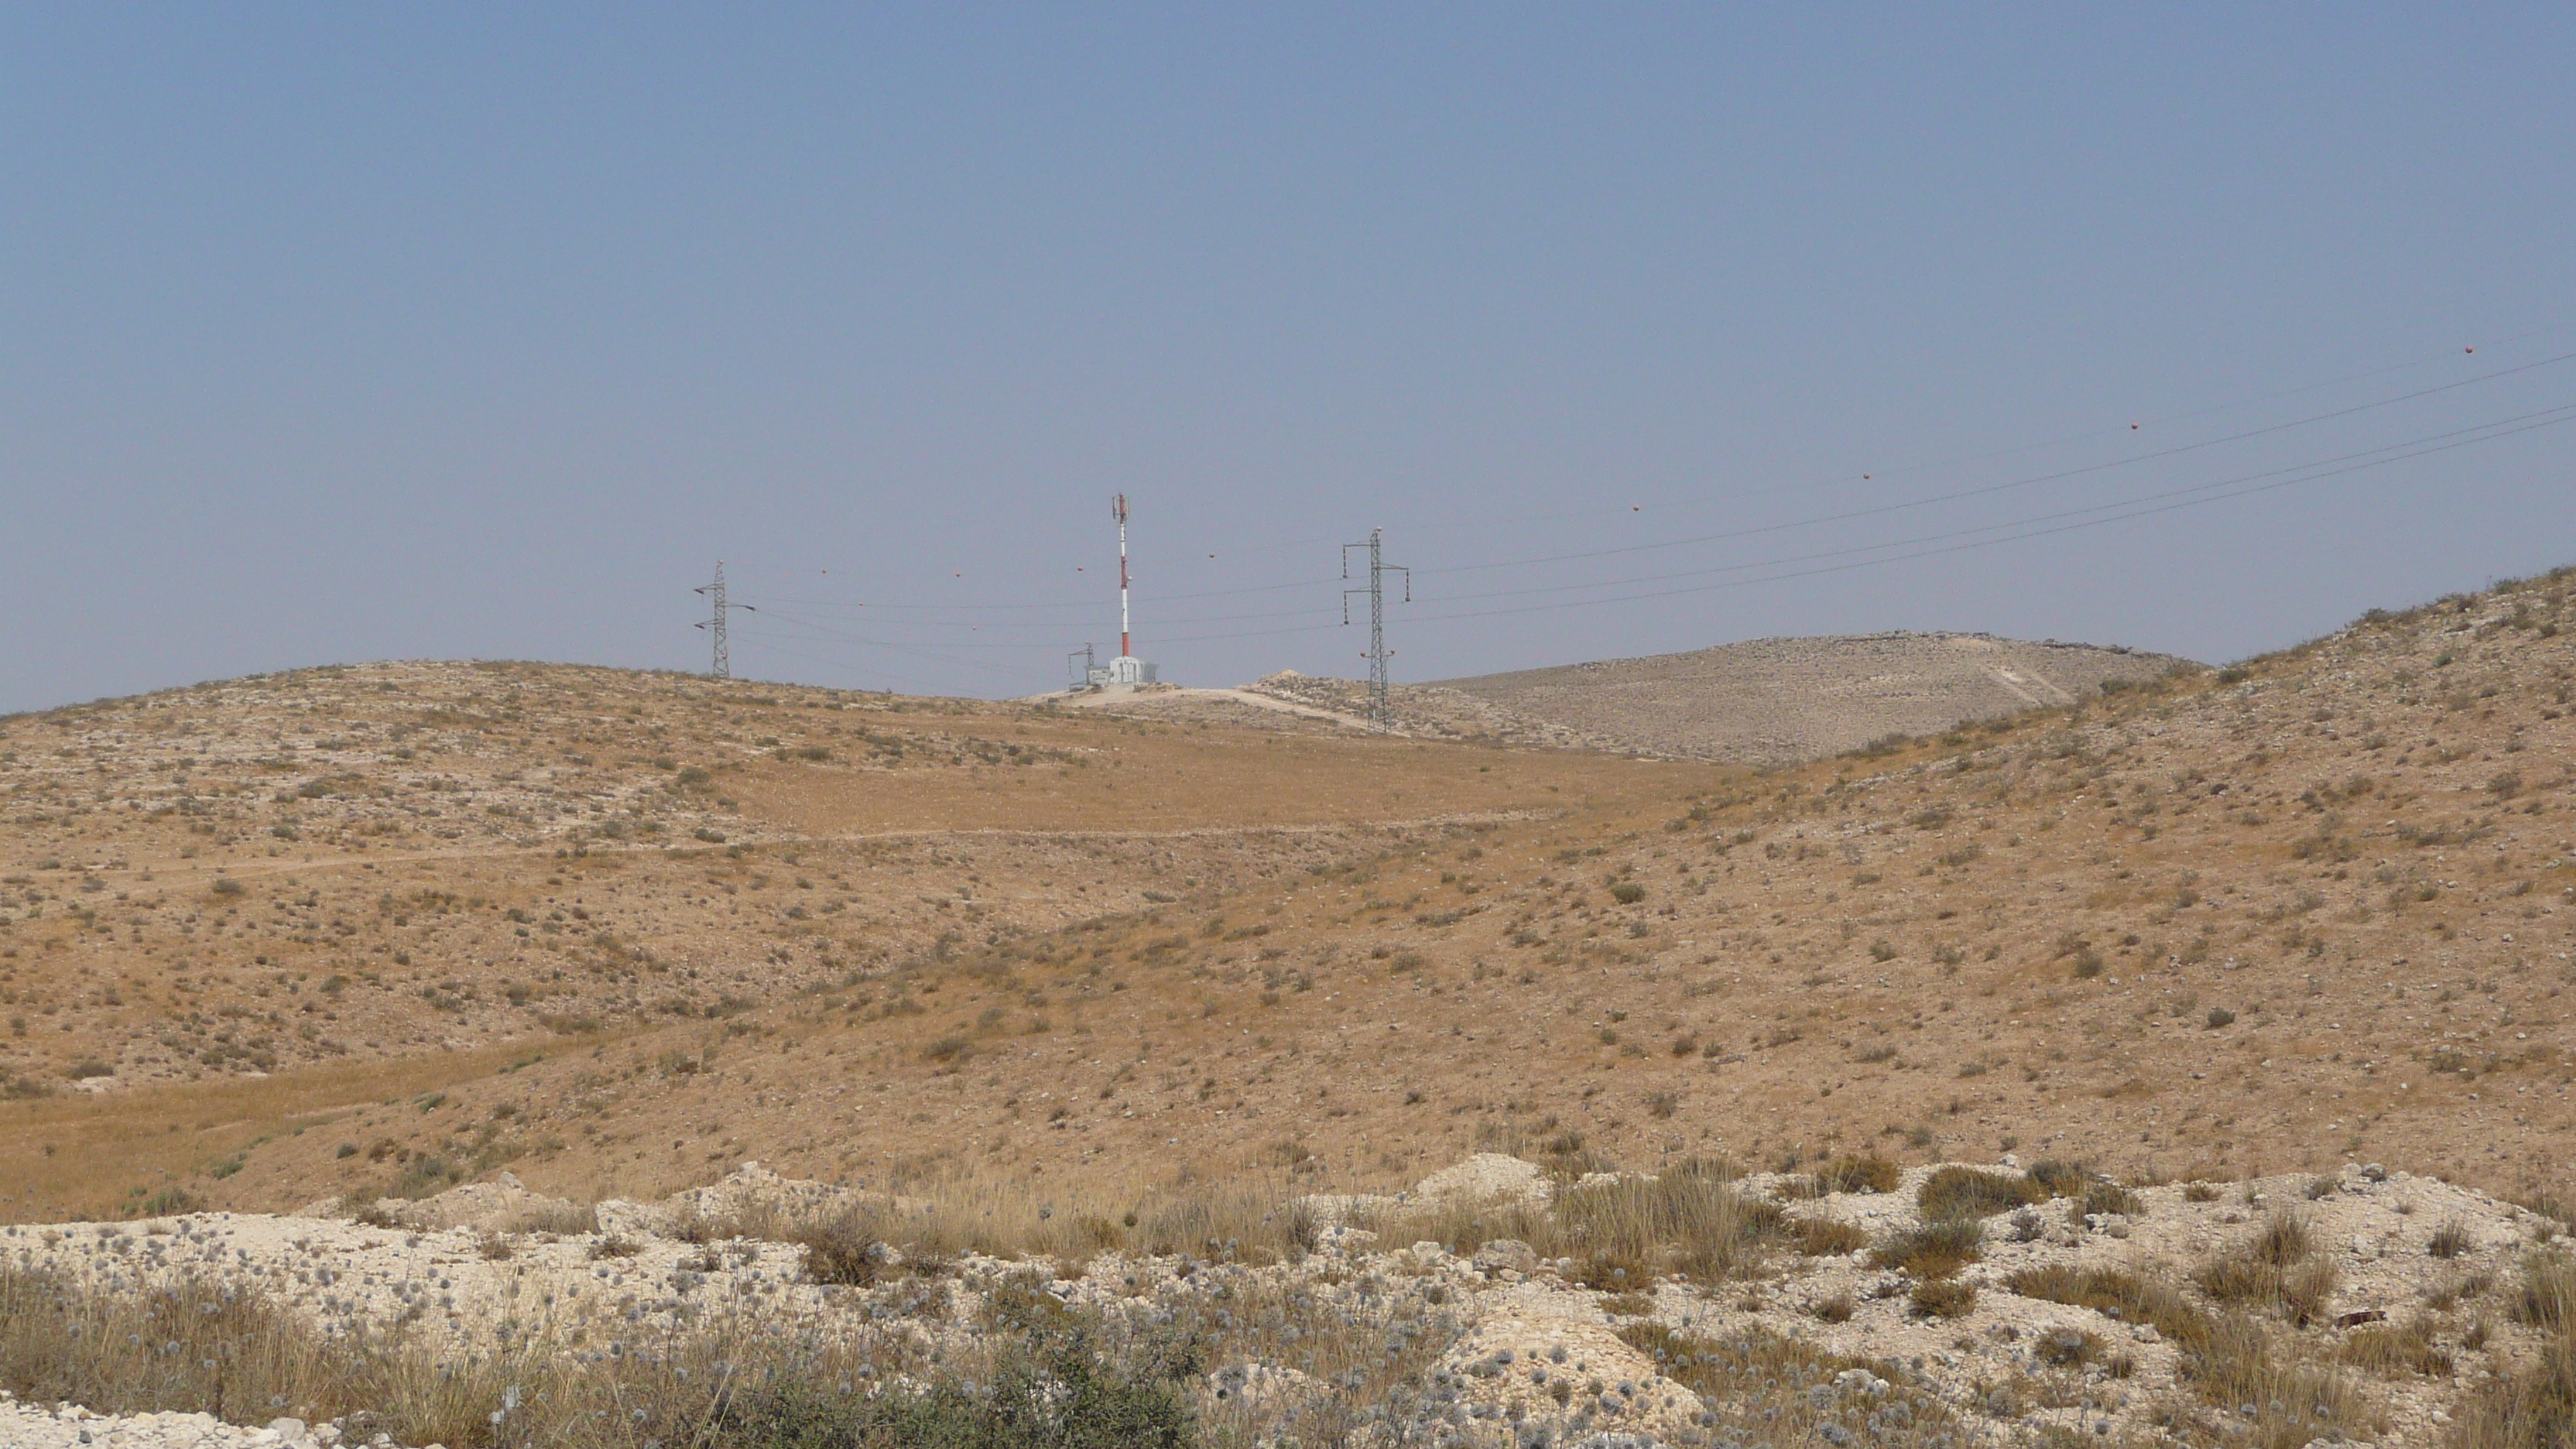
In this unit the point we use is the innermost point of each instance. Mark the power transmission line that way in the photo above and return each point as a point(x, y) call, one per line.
point(1922, 545)
point(1790, 525)
point(1989, 488)
point(2406, 448)
point(2555, 417)
point(2139, 507)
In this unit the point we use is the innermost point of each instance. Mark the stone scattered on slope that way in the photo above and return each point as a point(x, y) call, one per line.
point(1513, 1348)
point(69, 1426)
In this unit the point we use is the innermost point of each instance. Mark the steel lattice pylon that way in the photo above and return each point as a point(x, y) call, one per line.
point(721, 667)
point(1378, 569)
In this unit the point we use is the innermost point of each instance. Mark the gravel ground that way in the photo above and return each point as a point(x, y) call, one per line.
point(69, 1426)
point(1507, 1330)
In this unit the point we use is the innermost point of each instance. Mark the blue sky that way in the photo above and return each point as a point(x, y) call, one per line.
point(331, 334)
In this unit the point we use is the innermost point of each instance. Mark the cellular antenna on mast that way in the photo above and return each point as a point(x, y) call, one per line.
point(1126, 671)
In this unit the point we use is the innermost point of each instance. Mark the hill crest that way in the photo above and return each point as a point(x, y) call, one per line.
point(1773, 701)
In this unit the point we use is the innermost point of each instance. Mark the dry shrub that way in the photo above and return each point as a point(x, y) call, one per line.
point(197, 1346)
point(2228, 1358)
point(2059, 1179)
point(1777, 1390)
point(2067, 1348)
point(2547, 1200)
point(1465, 1226)
point(2105, 1196)
point(1932, 1251)
point(844, 1248)
point(2051, 1177)
point(1621, 1234)
point(2123, 1295)
point(2548, 1295)
point(1836, 1309)
point(2533, 1406)
point(1827, 1237)
point(2443, 1297)
point(568, 1219)
point(2307, 1291)
point(1368, 1356)
point(2239, 1363)
point(1236, 1221)
point(2395, 1348)
point(2278, 1265)
point(1954, 1193)
point(1561, 1151)
point(1054, 1393)
point(189, 1343)
point(1866, 1172)
point(1942, 1298)
point(2450, 1240)
point(1689, 1221)
point(1252, 1219)
point(2532, 1409)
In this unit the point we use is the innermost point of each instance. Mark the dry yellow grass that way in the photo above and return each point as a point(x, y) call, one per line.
point(107, 1156)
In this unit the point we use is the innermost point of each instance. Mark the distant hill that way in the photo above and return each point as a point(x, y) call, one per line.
point(1766, 701)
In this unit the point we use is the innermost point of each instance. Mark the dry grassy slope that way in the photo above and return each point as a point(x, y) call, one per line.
point(370, 862)
point(2359, 849)
point(451, 867)
point(1766, 701)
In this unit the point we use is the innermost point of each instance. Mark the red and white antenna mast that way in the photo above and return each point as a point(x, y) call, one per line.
point(1126, 671)
point(1118, 510)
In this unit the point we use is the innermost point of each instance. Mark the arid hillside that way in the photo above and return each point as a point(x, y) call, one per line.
point(1765, 701)
point(2310, 910)
point(1773, 701)
point(357, 864)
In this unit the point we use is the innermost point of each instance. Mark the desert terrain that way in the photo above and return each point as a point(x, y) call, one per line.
point(1761, 702)
point(344, 943)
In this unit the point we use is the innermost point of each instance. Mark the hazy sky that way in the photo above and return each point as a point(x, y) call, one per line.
point(339, 333)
